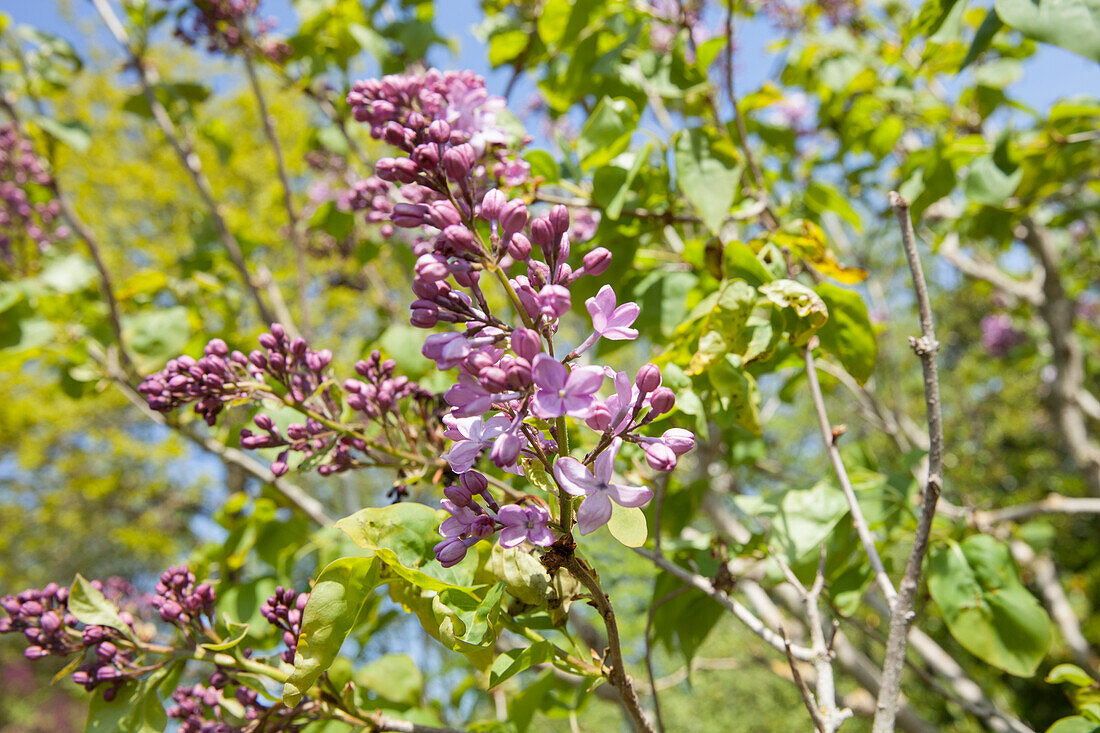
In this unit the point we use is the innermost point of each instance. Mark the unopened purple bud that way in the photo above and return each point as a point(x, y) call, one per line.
point(51, 622)
point(264, 422)
point(662, 400)
point(513, 216)
point(450, 552)
point(519, 247)
point(105, 674)
point(405, 170)
point(542, 232)
point(443, 214)
point(660, 457)
point(426, 156)
point(648, 379)
point(439, 132)
point(559, 218)
point(170, 611)
point(526, 343)
point(386, 169)
point(519, 373)
point(35, 652)
point(679, 440)
point(505, 450)
point(493, 204)
point(396, 135)
point(409, 216)
point(458, 161)
point(474, 482)
point(460, 238)
point(597, 261)
point(458, 495)
point(424, 317)
point(432, 267)
point(106, 651)
point(554, 301)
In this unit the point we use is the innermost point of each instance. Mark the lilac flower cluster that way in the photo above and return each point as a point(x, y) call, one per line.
point(24, 211)
point(507, 369)
point(179, 600)
point(202, 708)
point(999, 336)
point(50, 629)
point(284, 611)
point(287, 370)
point(470, 522)
point(222, 25)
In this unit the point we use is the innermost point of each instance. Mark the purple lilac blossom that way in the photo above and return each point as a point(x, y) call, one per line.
point(597, 489)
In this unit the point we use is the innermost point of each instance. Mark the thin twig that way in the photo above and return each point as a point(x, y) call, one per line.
point(743, 614)
point(858, 520)
point(649, 652)
point(803, 688)
point(901, 612)
point(616, 673)
point(297, 235)
point(187, 157)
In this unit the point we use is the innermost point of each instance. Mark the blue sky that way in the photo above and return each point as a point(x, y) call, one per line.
point(1051, 75)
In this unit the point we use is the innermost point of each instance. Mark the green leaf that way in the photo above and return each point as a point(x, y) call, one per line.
point(524, 576)
point(93, 609)
point(334, 603)
point(932, 15)
point(1071, 674)
point(1071, 24)
point(986, 183)
point(70, 274)
point(392, 677)
point(512, 662)
point(820, 198)
point(1074, 724)
point(707, 172)
point(369, 40)
point(402, 536)
point(507, 46)
point(987, 609)
point(983, 37)
point(797, 300)
point(607, 132)
point(73, 133)
point(628, 525)
point(235, 635)
point(157, 335)
point(805, 518)
point(848, 333)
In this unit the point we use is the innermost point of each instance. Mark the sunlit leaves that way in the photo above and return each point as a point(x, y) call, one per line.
point(607, 132)
point(848, 333)
point(334, 602)
point(707, 172)
point(987, 609)
point(1071, 24)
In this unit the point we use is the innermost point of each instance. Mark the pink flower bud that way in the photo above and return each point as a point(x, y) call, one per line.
point(474, 482)
point(526, 343)
point(659, 456)
point(426, 155)
point(662, 400)
point(519, 247)
point(559, 219)
point(505, 450)
point(554, 301)
point(648, 379)
point(432, 268)
point(542, 232)
point(513, 216)
point(443, 214)
point(597, 261)
point(492, 205)
point(679, 440)
point(405, 170)
point(439, 131)
point(458, 161)
point(459, 237)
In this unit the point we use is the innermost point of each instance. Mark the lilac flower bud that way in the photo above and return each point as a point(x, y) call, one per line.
point(451, 551)
point(474, 482)
point(396, 135)
point(405, 170)
point(659, 456)
point(386, 169)
point(513, 216)
point(519, 247)
point(460, 238)
point(505, 450)
point(426, 156)
point(600, 418)
point(264, 422)
point(51, 622)
point(424, 317)
point(597, 261)
point(409, 216)
point(559, 218)
point(554, 301)
point(648, 379)
point(432, 268)
point(542, 232)
point(35, 652)
point(443, 214)
point(493, 204)
point(679, 440)
point(662, 400)
point(519, 373)
point(439, 132)
point(458, 495)
point(458, 161)
point(526, 343)
point(493, 379)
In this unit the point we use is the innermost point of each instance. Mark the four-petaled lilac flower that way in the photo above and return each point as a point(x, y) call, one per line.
point(524, 523)
point(447, 350)
point(471, 436)
point(563, 392)
point(610, 321)
point(597, 489)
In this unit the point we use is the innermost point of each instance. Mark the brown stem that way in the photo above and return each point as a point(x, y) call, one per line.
point(616, 668)
point(901, 613)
